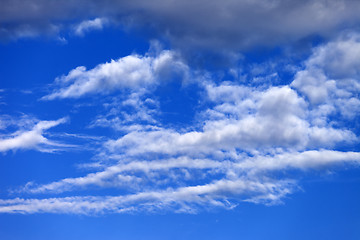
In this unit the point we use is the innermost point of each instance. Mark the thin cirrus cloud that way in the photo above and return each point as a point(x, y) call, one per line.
point(184, 199)
point(135, 173)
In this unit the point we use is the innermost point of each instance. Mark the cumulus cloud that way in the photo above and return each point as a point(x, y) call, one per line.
point(31, 139)
point(331, 76)
point(132, 72)
point(275, 118)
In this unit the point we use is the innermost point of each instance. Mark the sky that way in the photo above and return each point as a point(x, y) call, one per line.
point(179, 119)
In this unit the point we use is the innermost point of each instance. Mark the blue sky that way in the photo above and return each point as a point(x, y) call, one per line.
point(179, 119)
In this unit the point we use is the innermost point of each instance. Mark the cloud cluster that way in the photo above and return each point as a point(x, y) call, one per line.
point(276, 117)
point(248, 135)
point(246, 145)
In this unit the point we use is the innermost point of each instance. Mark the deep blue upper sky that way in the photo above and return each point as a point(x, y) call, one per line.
point(179, 120)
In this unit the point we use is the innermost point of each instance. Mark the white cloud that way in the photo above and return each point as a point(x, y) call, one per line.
point(314, 159)
point(138, 175)
point(31, 139)
point(332, 77)
point(126, 112)
point(89, 25)
point(275, 118)
point(183, 199)
point(132, 72)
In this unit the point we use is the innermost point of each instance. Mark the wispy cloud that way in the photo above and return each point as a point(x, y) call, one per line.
point(137, 174)
point(128, 112)
point(183, 199)
point(90, 25)
point(32, 139)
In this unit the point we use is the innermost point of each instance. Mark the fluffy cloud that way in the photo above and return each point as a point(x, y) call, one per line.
point(275, 118)
point(132, 72)
point(31, 139)
point(331, 76)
